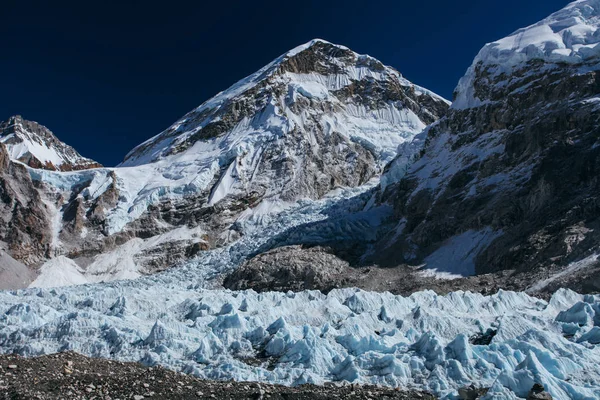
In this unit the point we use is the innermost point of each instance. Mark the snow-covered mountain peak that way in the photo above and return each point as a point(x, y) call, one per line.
point(317, 120)
point(318, 117)
point(36, 146)
point(571, 36)
point(319, 71)
point(502, 174)
point(318, 55)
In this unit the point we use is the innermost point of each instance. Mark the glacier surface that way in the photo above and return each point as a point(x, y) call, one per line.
point(179, 320)
point(424, 341)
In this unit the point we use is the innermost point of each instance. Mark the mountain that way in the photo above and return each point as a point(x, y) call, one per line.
point(25, 223)
point(317, 119)
point(507, 182)
point(35, 145)
point(500, 192)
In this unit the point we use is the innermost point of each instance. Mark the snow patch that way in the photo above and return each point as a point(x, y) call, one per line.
point(456, 257)
point(59, 271)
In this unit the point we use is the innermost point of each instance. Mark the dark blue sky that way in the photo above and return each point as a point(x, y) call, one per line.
point(106, 77)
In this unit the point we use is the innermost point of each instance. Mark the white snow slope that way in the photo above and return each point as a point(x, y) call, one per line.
point(381, 129)
point(571, 35)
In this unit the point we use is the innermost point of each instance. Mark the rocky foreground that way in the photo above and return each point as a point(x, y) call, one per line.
point(73, 376)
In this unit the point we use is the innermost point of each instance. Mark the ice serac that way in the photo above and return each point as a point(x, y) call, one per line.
point(35, 145)
point(514, 164)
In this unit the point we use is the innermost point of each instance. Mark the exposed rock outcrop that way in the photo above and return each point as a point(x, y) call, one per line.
point(299, 268)
point(538, 392)
point(25, 227)
point(292, 268)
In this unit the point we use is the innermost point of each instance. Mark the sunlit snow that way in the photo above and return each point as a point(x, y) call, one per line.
point(571, 35)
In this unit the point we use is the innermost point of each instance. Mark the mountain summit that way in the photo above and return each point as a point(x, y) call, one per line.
point(317, 73)
point(35, 145)
point(317, 119)
point(568, 37)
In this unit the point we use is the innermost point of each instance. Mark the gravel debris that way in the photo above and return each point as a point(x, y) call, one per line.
point(46, 378)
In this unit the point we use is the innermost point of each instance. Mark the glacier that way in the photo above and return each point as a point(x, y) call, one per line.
point(423, 341)
point(183, 320)
point(180, 319)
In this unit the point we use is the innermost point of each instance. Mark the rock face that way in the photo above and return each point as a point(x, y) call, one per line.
point(292, 268)
point(25, 227)
point(36, 146)
point(318, 118)
point(509, 178)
